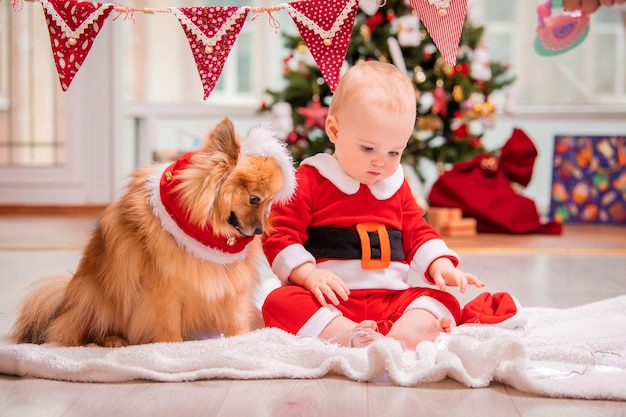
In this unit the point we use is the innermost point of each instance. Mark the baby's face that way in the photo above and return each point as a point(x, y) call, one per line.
point(370, 141)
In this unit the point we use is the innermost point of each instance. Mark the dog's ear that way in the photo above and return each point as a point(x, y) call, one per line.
point(223, 139)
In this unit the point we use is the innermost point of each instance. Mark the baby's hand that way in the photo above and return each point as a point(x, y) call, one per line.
point(444, 273)
point(325, 284)
point(589, 6)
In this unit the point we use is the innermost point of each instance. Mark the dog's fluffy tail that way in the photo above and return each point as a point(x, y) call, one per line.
point(40, 307)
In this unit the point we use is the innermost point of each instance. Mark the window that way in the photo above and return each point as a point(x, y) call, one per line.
point(5, 29)
point(592, 74)
point(159, 66)
point(164, 110)
point(157, 87)
point(30, 128)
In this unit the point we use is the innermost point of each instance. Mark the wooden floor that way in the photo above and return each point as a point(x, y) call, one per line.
point(583, 265)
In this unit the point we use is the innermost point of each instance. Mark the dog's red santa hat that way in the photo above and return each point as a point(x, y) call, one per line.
point(202, 241)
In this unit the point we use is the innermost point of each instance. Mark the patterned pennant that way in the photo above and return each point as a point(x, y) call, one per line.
point(444, 23)
point(73, 27)
point(211, 32)
point(325, 27)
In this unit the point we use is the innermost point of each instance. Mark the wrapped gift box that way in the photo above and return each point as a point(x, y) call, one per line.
point(460, 227)
point(450, 222)
point(438, 217)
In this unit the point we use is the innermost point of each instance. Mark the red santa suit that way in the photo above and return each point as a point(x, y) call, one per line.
point(330, 203)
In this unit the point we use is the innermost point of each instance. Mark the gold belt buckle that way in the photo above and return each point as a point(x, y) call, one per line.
point(366, 249)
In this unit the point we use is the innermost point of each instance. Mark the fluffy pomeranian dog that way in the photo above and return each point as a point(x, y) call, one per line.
point(176, 257)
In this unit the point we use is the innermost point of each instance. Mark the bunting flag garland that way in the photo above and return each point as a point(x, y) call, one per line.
point(443, 20)
point(211, 32)
point(73, 27)
point(326, 27)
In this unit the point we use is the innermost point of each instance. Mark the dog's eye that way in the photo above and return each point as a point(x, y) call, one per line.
point(254, 200)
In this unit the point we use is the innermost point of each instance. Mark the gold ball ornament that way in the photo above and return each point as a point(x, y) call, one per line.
point(328, 42)
point(419, 74)
point(457, 93)
point(365, 31)
point(442, 67)
point(441, 168)
point(208, 50)
point(471, 113)
point(488, 108)
point(429, 123)
point(72, 41)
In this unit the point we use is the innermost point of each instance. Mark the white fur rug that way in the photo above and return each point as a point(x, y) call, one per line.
point(578, 353)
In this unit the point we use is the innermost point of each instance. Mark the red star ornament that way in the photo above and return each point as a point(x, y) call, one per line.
point(314, 115)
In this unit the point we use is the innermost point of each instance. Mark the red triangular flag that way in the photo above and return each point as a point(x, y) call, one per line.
point(211, 32)
point(325, 27)
point(445, 28)
point(73, 27)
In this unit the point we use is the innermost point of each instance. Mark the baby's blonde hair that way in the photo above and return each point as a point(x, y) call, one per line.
point(377, 83)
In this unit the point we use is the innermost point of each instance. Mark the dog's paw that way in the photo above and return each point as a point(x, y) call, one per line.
point(114, 341)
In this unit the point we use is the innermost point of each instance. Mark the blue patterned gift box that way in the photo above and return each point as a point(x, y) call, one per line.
point(589, 180)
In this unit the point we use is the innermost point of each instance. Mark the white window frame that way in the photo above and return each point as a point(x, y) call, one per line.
point(5, 27)
point(85, 177)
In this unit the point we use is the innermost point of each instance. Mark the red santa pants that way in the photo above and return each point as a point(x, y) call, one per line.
point(291, 306)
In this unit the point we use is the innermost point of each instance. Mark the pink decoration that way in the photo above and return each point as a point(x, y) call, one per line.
point(73, 27)
point(444, 28)
point(325, 27)
point(211, 32)
point(440, 106)
point(559, 33)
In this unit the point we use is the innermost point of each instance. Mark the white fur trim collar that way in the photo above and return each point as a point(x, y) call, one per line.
point(329, 168)
point(185, 241)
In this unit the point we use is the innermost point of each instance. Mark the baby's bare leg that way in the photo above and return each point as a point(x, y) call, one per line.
point(415, 326)
point(339, 331)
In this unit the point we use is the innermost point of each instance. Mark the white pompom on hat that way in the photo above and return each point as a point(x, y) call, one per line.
point(261, 141)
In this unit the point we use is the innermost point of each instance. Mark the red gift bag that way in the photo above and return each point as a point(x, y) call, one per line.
point(481, 188)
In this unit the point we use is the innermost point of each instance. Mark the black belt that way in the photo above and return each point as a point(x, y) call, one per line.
point(371, 242)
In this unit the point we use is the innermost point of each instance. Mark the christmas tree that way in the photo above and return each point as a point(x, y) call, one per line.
point(453, 102)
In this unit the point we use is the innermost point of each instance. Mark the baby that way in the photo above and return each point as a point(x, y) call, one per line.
point(344, 245)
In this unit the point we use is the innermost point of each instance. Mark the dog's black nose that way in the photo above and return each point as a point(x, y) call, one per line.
point(258, 231)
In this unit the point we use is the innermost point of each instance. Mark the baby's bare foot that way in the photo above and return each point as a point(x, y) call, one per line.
point(362, 335)
point(443, 325)
point(431, 332)
point(416, 326)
